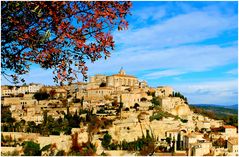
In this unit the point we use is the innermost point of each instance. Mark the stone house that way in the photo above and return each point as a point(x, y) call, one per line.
point(129, 99)
point(204, 125)
point(232, 145)
point(11, 101)
point(201, 149)
point(230, 131)
point(190, 139)
point(99, 93)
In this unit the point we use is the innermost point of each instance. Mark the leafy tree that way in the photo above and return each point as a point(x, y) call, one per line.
point(46, 147)
point(60, 153)
point(31, 148)
point(120, 108)
point(178, 94)
point(155, 101)
point(220, 142)
point(81, 149)
point(93, 126)
point(103, 154)
point(48, 150)
point(145, 145)
point(82, 103)
point(52, 93)
point(6, 115)
point(168, 140)
point(106, 140)
point(113, 146)
point(31, 126)
point(45, 117)
point(41, 96)
point(58, 35)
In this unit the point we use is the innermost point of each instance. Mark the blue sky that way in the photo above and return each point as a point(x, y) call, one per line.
point(191, 46)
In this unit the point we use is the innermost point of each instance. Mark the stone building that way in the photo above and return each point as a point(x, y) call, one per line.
point(15, 90)
point(33, 87)
point(129, 99)
point(164, 91)
point(11, 101)
point(99, 93)
point(190, 139)
point(204, 125)
point(232, 145)
point(175, 105)
point(122, 79)
point(98, 79)
point(201, 149)
point(229, 131)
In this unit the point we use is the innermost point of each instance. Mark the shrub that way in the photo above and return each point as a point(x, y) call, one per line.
point(155, 101)
point(31, 148)
point(106, 140)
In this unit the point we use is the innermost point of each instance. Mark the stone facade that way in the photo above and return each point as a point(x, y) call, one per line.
point(175, 105)
point(15, 90)
point(232, 145)
point(164, 91)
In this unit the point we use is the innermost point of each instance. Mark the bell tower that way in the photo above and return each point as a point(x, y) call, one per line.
point(122, 72)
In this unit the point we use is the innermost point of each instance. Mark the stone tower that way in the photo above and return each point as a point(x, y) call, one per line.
point(122, 72)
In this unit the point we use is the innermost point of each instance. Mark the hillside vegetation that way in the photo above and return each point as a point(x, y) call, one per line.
point(229, 116)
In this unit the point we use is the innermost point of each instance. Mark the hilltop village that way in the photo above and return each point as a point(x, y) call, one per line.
point(109, 115)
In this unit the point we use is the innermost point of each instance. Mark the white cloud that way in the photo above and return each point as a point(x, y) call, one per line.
point(217, 92)
point(184, 59)
point(149, 13)
point(163, 73)
point(182, 29)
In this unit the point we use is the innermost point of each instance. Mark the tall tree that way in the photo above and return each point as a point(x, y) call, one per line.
point(58, 35)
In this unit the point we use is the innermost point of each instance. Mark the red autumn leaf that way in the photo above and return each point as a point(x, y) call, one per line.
point(89, 36)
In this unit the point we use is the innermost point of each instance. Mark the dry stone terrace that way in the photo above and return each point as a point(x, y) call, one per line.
point(130, 110)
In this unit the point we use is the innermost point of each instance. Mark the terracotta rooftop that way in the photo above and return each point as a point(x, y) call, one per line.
point(120, 75)
point(229, 126)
